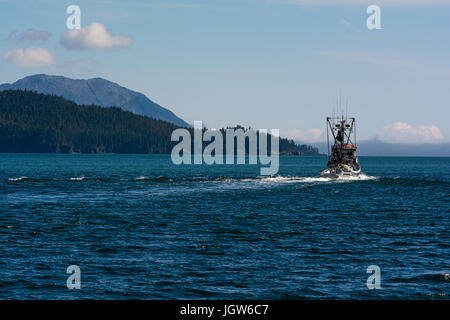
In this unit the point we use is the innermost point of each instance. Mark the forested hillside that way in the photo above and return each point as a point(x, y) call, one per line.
point(34, 122)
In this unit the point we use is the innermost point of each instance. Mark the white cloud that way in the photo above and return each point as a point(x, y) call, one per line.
point(309, 135)
point(93, 36)
point(401, 132)
point(30, 57)
point(315, 133)
point(369, 2)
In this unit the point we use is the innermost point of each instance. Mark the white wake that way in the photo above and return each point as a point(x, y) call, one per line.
point(17, 179)
point(289, 179)
point(77, 178)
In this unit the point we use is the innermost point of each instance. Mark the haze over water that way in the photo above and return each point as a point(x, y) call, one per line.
point(140, 227)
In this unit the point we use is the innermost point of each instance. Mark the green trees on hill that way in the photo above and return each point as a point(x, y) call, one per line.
point(33, 122)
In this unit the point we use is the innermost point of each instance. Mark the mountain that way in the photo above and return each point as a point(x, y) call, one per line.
point(33, 122)
point(380, 148)
point(96, 91)
point(36, 123)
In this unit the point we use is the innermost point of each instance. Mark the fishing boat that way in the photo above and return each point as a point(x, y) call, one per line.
point(342, 157)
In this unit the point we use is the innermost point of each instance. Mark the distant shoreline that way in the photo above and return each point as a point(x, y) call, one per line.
point(168, 154)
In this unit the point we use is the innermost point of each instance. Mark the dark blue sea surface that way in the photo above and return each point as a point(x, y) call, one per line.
point(140, 227)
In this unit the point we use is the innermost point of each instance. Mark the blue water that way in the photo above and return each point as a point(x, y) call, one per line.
point(140, 227)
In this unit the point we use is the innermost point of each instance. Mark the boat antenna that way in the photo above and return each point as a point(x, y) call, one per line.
point(328, 140)
point(346, 109)
point(335, 112)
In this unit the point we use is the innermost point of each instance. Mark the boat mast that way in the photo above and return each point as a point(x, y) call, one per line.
point(328, 140)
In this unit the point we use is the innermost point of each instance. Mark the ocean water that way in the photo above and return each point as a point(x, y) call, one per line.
point(140, 227)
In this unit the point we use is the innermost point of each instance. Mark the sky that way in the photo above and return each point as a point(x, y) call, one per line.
point(268, 64)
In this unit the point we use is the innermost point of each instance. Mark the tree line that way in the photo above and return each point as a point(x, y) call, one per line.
point(31, 122)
